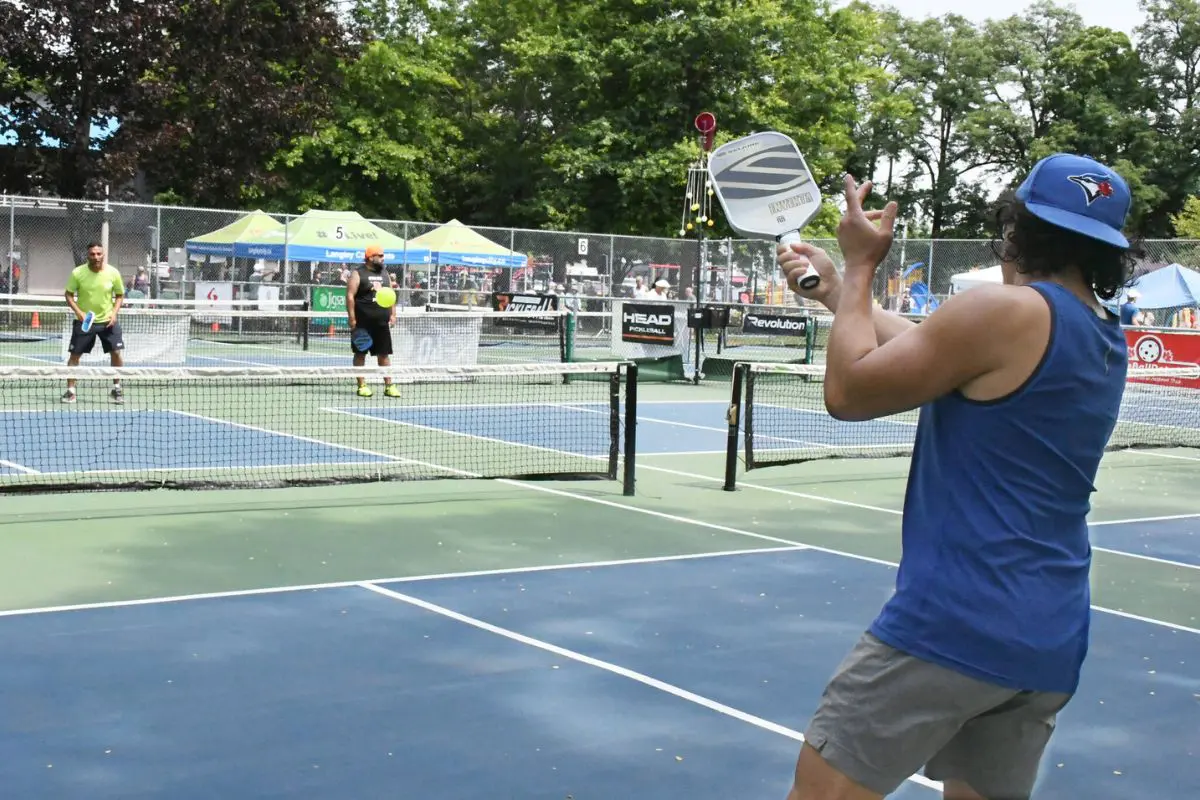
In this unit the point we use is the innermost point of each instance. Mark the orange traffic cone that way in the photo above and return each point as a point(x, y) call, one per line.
point(35, 322)
point(216, 327)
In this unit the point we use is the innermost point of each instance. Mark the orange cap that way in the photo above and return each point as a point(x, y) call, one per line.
point(374, 250)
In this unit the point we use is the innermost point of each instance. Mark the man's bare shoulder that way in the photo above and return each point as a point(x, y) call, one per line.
point(994, 307)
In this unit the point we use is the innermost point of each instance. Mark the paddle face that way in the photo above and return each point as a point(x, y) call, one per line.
point(766, 189)
point(361, 340)
point(88, 319)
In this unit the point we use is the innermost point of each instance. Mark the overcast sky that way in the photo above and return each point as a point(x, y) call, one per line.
point(1121, 15)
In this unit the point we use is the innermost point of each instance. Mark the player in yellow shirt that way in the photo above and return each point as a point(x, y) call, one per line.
point(96, 288)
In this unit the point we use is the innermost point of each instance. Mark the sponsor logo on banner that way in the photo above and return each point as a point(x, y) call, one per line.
point(214, 295)
point(777, 324)
point(648, 322)
point(1163, 350)
point(515, 303)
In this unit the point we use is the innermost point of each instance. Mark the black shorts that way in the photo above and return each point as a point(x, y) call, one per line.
point(110, 337)
point(381, 337)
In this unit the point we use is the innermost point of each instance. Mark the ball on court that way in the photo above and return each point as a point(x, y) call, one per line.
point(385, 296)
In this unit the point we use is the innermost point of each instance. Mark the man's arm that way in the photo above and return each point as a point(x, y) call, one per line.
point(351, 288)
point(888, 325)
point(795, 259)
point(970, 336)
point(118, 299)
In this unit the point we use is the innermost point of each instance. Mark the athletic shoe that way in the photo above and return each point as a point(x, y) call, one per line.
point(365, 391)
point(117, 395)
point(68, 396)
point(392, 390)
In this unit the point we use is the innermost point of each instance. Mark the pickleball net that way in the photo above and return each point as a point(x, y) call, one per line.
point(271, 427)
point(175, 335)
point(777, 416)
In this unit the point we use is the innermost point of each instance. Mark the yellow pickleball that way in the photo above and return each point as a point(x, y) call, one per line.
point(385, 296)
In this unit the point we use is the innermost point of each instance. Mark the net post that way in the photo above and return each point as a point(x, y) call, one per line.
point(732, 417)
point(810, 339)
point(748, 417)
point(566, 331)
point(305, 324)
point(631, 381)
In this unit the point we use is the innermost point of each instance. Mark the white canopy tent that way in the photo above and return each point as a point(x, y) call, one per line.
point(976, 277)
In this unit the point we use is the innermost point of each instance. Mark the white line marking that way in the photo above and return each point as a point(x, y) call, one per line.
point(1135, 520)
point(1165, 455)
point(231, 360)
point(774, 490)
point(475, 436)
point(310, 440)
point(624, 672)
point(894, 512)
point(779, 540)
point(483, 573)
point(19, 467)
point(1141, 557)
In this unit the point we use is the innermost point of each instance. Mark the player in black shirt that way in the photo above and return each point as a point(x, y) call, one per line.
point(367, 315)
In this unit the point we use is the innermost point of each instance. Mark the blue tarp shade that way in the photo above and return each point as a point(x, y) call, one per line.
point(1169, 287)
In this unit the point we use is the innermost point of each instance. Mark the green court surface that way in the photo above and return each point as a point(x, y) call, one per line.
point(102, 546)
point(670, 567)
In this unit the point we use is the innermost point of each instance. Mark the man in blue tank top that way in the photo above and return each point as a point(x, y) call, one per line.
point(1019, 385)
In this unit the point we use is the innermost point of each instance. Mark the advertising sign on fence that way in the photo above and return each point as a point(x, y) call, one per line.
point(754, 322)
point(509, 302)
point(1155, 348)
point(653, 323)
point(333, 300)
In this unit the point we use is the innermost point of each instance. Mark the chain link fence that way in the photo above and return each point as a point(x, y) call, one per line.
point(47, 237)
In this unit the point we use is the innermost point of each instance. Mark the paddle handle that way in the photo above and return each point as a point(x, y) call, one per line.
point(810, 278)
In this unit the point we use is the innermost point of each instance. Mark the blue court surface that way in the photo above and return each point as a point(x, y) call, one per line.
point(664, 427)
point(1175, 540)
point(680, 677)
point(84, 440)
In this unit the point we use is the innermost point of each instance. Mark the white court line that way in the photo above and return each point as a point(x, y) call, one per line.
point(1164, 455)
point(1136, 520)
point(482, 573)
point(232, 360)
point(895, 512)
point(624, 672)
point(19, 467)
point(475, 436)
point(780, 540)
point(1141, 557)
point(386, 457)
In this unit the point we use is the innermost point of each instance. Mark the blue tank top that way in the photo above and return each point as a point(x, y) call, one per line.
point(993, 582)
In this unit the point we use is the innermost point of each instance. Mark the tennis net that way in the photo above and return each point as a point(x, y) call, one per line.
point(215, 336)
point(777, 416)
point(269, 427)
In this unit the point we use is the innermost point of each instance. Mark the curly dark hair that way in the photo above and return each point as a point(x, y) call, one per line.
point(1042, 249)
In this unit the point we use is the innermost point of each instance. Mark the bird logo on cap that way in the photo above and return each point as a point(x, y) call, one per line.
point(1094, 186)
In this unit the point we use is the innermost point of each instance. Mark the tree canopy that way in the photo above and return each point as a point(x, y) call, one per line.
point(566, 114)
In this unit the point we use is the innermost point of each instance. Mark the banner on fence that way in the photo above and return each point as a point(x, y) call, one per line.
point(756, 323)
point(513, 302)
point(650, 323)
point(1151, 348)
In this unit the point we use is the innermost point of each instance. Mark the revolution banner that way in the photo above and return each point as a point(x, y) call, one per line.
point(760, 324)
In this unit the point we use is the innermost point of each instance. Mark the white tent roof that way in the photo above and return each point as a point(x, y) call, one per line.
point(976, 277)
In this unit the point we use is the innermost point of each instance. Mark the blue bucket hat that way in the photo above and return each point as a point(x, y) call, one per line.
point(1079, 194)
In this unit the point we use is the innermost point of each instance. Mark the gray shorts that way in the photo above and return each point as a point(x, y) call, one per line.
point(885, 714)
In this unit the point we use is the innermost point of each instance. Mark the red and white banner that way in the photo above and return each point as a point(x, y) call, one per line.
point(1158, 348)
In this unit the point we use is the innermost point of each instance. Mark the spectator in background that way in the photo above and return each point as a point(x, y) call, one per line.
point(141, 281)
point(1130, 314)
